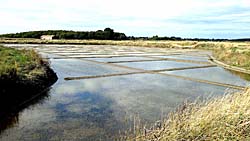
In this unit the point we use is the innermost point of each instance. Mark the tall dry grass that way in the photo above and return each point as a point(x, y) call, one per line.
point(233, 56)
point(143, 43)
point(225, 118)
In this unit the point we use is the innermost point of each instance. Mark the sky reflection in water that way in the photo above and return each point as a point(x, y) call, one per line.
point(98, 108)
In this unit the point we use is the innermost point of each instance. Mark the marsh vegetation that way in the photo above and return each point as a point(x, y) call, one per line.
point(21, 64)
point(224, 118)
point(23, 74)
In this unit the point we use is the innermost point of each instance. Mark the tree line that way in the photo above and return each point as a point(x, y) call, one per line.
point(173, 38)
point(106, 34)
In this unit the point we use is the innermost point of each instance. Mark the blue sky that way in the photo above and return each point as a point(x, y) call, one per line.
point(184, 18)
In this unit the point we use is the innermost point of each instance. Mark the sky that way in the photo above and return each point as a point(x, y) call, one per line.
point(182, 18)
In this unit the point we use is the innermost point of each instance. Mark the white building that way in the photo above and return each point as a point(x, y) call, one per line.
point(47, 37)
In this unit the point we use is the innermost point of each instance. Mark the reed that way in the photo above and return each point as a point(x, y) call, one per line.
point(224, 118)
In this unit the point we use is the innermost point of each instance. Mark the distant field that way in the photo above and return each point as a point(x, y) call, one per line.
point(169, 44)
point(146, 43)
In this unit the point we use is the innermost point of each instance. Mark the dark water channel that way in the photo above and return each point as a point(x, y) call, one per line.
point(102, 108)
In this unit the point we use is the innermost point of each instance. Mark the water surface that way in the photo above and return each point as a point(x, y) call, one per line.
point(102, 108)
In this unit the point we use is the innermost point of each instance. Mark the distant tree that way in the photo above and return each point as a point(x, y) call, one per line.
point(108, 33)
point(155, 37)
point(109, 30)
point(119, 36)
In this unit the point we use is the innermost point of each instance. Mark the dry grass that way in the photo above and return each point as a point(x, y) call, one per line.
point(231, 53)
point(146, 43)
point(225, 118)
point(234, 56)
point(162, 44)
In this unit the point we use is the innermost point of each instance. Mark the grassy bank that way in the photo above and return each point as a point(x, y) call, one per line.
point(22, 67)
point(233, 56)
point(23, 73)
point(21, 64)
point(226, 118)
point(231, 53)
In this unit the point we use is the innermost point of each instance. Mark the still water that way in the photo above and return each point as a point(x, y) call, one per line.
point(103, 108)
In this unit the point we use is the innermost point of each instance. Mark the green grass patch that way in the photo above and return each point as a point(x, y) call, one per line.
point(20, 64)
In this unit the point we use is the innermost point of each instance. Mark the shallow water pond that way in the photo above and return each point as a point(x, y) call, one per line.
point(103, 108)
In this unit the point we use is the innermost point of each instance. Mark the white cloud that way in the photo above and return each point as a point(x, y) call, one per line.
point(136, 17)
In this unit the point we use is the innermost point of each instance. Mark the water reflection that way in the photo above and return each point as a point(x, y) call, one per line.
point(117, 59)
point(216, 74)
point(11, 107)
point(99, 108)
point(241, 75)
point(77, 67)
point(102, 108)
point(157, 65)
point(185, 57)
